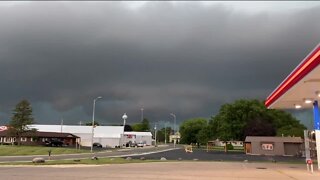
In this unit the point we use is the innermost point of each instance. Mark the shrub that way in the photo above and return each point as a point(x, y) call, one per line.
point(230, 147)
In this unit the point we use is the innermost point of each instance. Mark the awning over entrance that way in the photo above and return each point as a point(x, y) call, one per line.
point(301, 87)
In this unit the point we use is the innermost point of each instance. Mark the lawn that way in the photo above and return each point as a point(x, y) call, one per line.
point(8, 150)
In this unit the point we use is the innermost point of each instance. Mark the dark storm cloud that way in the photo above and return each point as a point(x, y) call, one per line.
point(166, 57)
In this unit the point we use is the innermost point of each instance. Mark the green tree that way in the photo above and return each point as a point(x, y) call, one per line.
point(137, 127)
point(163, 133)
point(190, 129)
point(259, 127)
point(127, 128)
point(233, 119)
point(22, 117)
point(204, 135)
point(144, 126)
point(286, 124)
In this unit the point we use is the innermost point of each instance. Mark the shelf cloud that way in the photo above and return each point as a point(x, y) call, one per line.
point(188, 58)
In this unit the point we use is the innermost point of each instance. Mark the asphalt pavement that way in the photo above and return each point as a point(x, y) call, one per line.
point(202, 155)
point(168, 152)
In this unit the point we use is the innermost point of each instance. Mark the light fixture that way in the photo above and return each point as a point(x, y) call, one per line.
point(307, 101)
point(297, 106)
point(318, 93)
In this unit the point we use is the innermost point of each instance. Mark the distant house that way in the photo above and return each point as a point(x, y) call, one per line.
point(175, 138)
point(39, 138)
point(266, 145)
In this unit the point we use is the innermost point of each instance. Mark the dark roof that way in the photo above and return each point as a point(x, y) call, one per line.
point(273, 139)
point(43, 134)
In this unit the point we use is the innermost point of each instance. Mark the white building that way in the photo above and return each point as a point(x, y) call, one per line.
point(108, 136)
point(138, 137)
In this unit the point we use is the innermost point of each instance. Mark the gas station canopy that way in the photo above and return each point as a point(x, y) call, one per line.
point(301, 88)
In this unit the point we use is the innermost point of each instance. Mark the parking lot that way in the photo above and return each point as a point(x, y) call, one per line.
point(202, 155)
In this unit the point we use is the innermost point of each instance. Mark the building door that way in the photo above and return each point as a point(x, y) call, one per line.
point(248, 148)
point(292, 149)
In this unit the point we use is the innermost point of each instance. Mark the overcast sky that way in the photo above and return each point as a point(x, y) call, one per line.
point(188, 58)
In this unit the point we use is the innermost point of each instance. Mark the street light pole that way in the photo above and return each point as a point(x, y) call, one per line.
point(142, 114)
point(124, 117)
point(155, 134)
point(94, 106)
point(174, 120)
point(165, 133)
point(174, 129)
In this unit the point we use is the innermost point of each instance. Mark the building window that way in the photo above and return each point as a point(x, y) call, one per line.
point(4, 139)
point(23, 139)
point(14, 139)
point(267, 147)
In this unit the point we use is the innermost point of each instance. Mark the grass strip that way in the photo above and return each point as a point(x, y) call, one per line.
point(8, 150)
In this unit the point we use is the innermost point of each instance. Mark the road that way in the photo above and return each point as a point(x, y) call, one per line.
point(165, 151)
point(163, 171)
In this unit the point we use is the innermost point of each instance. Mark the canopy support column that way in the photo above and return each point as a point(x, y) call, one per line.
point(317, 129)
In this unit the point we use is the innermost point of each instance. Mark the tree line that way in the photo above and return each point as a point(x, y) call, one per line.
point(234, 121)
point(239, 119)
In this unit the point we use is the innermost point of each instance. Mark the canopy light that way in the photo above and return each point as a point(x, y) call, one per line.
point(308, 101)
point(297, 106)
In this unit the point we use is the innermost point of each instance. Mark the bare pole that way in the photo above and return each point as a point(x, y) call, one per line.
point(61, 124)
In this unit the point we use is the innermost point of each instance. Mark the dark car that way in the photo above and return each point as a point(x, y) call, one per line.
point(97, 145)
point(54, 142)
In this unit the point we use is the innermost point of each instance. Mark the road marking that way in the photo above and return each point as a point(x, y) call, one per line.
point(145, 153)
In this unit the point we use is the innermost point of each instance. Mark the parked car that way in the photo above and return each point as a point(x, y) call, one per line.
point(131, 144)
point(141, 144)
point(54, 142)
point(134, 144)
point(97, 145)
